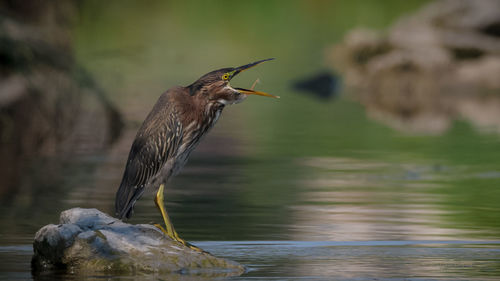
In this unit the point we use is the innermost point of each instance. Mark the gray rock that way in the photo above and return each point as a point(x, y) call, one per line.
point(87, 240)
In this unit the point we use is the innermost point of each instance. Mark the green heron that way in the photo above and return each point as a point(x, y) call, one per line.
point(173, 128)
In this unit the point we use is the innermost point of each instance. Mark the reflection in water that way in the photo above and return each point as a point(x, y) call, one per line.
point(350, 199)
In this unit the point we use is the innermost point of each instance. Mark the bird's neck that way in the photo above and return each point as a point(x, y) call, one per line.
point(205, 112)
point(197, 125)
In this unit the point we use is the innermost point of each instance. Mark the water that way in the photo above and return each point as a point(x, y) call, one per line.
point(320, 260)
point(295, 189)
point(339, 218)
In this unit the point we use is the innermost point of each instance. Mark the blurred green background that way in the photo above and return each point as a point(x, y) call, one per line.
point(262, 163)
point(298, 168)
point(137, 51)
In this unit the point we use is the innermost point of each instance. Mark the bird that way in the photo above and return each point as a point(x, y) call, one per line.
point(168, 135)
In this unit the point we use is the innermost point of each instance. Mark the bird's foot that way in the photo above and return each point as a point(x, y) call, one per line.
point(176, 237)
point(157, 225)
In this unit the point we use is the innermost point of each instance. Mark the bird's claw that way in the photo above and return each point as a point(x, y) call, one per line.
point(179, 240)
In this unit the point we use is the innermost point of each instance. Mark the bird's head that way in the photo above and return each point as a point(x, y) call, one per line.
point(215, 86)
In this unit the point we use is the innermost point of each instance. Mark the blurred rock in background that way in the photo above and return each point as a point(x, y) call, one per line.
point(430, 68)
point(49, 106)
point(323, 85)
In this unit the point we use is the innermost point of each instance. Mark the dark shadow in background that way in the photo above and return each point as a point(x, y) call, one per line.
point(50, 108)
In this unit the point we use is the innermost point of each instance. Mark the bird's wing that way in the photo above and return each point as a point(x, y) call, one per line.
point(156, 142)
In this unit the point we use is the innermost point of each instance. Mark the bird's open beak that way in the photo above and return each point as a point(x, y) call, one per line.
point(252, 92)
point(247, 91)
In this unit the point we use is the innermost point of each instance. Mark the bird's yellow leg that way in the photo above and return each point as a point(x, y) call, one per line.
point(170, 231)
point(159, 203)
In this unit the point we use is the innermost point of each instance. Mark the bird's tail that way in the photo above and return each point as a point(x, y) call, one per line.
point(126, 196)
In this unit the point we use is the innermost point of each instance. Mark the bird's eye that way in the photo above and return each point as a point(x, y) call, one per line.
point(225, 76)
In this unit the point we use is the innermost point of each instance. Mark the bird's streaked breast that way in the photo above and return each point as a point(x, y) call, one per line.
point(196, 129)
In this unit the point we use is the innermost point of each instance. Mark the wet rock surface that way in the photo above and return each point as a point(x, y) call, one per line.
point(87, 240)
point(430, 68)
